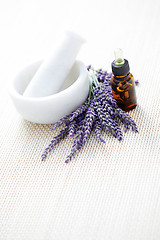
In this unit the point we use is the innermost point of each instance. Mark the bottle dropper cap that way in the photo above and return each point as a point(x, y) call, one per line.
point(120, 66)
point(119, 60)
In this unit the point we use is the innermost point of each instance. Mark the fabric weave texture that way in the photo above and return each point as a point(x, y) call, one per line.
point(108, 191)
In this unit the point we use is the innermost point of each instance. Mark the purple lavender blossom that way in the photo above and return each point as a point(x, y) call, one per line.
point(126, 119)
point(90, 116)
point(79, 110)
point(89, 67)
point(136, 82)
point(72, 128)
point(61, 122)
point(97, 128)
point(98, 113)
point(63, 133)
point(77, 143)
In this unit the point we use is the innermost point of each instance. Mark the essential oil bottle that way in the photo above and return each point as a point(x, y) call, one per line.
point(122, 82)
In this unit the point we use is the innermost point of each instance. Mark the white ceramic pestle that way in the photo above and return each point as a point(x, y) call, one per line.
point(52, 73)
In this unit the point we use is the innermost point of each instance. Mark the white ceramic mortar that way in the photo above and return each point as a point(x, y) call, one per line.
point(47, 110)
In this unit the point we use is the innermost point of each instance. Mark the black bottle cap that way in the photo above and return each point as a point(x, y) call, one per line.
point(120, 70)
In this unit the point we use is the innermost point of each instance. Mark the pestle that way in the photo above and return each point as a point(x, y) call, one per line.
point(52, 73)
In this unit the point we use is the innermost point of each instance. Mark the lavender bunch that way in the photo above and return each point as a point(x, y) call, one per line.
point(98, 113)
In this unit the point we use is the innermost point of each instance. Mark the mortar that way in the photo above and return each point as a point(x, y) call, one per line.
point(50, 109)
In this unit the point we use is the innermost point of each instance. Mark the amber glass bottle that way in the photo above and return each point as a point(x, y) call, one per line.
point(122, 81)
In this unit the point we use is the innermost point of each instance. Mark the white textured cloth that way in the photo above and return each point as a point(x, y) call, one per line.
point(108, 191)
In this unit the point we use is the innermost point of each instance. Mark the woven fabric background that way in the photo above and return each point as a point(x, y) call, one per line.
point(109, 191)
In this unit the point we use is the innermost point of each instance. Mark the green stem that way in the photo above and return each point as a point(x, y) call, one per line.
point(90, 90)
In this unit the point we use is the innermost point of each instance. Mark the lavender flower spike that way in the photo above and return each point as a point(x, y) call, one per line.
point(72, 128)
point(77, 143)
point(90, 117)
point(60, 122)
point(79, 110)
point(97, 130)
point(63, 133)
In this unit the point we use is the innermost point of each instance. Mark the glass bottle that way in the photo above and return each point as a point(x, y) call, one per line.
point(122, 82)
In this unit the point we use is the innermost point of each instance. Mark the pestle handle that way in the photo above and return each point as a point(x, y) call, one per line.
point(52, 73)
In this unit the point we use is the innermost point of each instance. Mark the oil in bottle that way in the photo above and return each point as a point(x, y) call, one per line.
point(122, 82)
